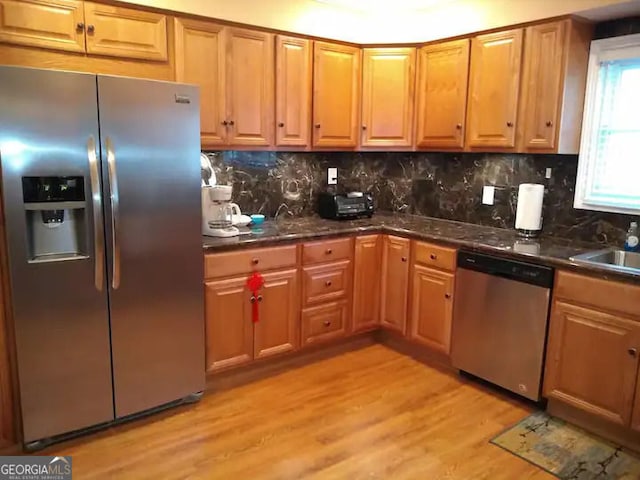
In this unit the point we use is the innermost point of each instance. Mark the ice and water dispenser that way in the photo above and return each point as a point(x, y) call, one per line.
point(55, 218)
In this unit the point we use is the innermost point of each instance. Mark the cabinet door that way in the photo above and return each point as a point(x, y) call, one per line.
point(443, 74)
point(592, 361)
point(542, 84)
point(57, 24)
point(200, 61)
point(494, 89)
point(366, 282)
point(124, 32)
point(387, 97)
point(279, 307)
point(336, 95)
point(249, 84)
point(431, 308)
point(229, 329)
point(395, 283)
point(293, 91)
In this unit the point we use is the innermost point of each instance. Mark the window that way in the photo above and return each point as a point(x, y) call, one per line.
point(609, 163)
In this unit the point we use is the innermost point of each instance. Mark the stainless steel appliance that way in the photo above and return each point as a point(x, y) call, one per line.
point(101, 196)
point(343, 206)
point(500, 321)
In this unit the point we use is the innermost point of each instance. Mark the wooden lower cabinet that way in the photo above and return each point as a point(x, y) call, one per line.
point(592, 361)
point(278, 329)
point(395, 283)
point(325, 322)
point(431, 308)
point(366, 282)
point(229, 330)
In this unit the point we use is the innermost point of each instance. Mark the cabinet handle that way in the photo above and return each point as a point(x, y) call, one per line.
point(328, 251)
point(317, 125)
point(80, 26)
point(509, 124)
point(433, 256)
point(259, 298)
point(549, 123)
point(225, 123)
point(633, 352)
point(328, 283)
point(255, 261)
point(459, 126)
point(91, 29)
point(327, 323)
point(364, 127)
point(231, 122)
point(447, 296)
point(404, 259)
point(281, 124)
point(252, 299)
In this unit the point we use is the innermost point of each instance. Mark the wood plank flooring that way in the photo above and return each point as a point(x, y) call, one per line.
point(371, 413)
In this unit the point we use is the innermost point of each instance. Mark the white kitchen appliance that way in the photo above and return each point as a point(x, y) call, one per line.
point(218, 211)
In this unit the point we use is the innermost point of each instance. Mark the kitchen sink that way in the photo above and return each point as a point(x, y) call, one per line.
point(616, 259)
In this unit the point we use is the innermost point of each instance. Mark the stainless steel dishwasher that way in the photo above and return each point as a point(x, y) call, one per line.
point(500, 321)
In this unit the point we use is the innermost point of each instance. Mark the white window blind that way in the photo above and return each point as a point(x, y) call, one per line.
point(609, 163)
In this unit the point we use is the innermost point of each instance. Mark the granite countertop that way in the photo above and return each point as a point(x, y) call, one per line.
point(550, 251)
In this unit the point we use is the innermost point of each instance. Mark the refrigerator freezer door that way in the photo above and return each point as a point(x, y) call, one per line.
point(49, 130)
point(150, 144)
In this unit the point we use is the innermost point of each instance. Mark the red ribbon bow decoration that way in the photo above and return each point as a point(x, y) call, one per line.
point(254, 284)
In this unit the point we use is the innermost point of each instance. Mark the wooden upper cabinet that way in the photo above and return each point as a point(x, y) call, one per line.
point(388, 80)
point(249, 84)
point(395, 283)
point(494, 89)
point(556, 55)
point(278, 329)
point(336, 95)
point(56, 24)
point(228, 325)
point(431, 308)
point(366, 282)
point(200, 61)
point(124, 32)
point(592, 361)
point(443, 74)
point(293, 91)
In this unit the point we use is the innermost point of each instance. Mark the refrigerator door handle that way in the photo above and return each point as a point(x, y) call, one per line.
point(98, 225)
point(115, 203)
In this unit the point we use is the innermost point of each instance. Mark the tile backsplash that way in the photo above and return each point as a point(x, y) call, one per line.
point(442, 185)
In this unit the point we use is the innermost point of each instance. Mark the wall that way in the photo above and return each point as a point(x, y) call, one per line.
point(394, 21)
point(443, 185)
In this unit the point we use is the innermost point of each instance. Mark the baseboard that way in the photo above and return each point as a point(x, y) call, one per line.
point(401, 344)
point(608, 430)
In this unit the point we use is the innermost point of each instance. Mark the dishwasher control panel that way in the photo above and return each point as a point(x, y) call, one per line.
point(508, 268)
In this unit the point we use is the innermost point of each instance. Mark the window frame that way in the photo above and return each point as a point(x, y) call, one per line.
point(615, 48)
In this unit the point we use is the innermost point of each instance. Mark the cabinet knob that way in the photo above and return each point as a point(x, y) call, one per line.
point(91, 29)
point(509, 124)
point(447, 296)
point(327, 323)
point(364, 127)
point(633, 352)
point(328, 251)
point(459, 126)
point(255, 261)
point(225, 123)
point(80, 26)
point(404, 259)
point(259, 298)
point(433, 256)
point(281, 124)
point(328, 283)
point(549, 123)
point(252, 299)
point(317, 125)
point(231, 122)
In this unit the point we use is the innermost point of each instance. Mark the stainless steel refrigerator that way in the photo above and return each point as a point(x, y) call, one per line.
point(101, 191)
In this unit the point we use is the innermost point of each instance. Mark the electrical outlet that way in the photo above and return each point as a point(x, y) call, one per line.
point(547, 173)
point(332, 176)
point(488, 194)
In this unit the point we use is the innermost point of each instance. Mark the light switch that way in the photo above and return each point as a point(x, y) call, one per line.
point(332, 176)
point(547, 173)
point(488, 194)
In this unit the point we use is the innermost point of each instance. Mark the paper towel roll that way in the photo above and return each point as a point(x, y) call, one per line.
point(529, 210)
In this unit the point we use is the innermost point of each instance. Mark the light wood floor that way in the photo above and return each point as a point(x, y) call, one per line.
point(371, 413)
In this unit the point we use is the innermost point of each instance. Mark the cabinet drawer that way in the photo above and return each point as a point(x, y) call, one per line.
point(245, 261)
point(328, 282)
point(603, 294)
point(327, 251)
point(435, 256)
point(324, 323)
